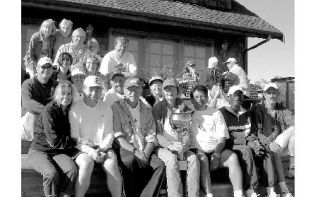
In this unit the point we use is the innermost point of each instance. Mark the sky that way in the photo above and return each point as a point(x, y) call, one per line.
point(273, 58)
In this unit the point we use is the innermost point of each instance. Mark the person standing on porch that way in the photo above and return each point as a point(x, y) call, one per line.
point(119, 60)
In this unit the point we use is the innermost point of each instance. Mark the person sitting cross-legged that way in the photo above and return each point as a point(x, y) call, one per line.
point(135, 135)
point(91, 125)
point(208, 134)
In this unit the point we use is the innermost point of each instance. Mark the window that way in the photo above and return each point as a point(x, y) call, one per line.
point(161, 53)
point(196, 53)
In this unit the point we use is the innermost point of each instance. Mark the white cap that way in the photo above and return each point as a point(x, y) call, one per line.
point(44, 60)
point(233, 89)
point(77, 71)
point(231, 59)
point(155, 78)
point(92, 81)
point(212, 62)
point(270, 85)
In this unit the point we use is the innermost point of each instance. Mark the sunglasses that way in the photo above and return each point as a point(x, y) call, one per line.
point(66, 59)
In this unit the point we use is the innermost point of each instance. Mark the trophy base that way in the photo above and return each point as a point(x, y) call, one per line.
point(183, 165)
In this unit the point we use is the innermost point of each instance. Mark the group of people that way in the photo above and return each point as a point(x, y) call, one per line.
point(81, 110)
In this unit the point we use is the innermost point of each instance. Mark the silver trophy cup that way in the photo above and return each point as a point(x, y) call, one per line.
point(180, 122)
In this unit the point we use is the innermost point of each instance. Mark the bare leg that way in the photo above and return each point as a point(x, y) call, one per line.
point(230, 160)
point(205, 179)
point(86, 164)
point(114, 180)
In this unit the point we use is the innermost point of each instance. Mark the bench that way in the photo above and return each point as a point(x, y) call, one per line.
point(31, 181)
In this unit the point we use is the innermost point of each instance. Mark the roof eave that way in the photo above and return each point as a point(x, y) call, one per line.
point(150, 18)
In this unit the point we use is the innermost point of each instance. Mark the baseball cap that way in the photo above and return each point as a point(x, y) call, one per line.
point(270, 85)
point(170, 82)
point(92, 81)
point(212, 61)
point(44, 60)
point(190, 63)
point(132, 82)
point(77, 71)
point(114, 74)
point(233, 89)
point(155, 78)
point(231, 59)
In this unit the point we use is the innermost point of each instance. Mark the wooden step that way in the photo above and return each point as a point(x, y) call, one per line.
point(31, 182)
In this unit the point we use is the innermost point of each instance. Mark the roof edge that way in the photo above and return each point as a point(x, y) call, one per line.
point(150, 18)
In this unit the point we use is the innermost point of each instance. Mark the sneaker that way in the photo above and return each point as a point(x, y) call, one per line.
point(287, 195)
point(251, 194)
point(273, 194)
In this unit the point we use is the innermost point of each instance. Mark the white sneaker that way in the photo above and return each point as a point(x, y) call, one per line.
point(273, 194)
point(287, 195)
point(253, 194)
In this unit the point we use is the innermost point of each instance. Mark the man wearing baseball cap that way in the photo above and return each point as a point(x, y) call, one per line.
point(36, 93)
point(116, 90)
point(135, 133)
point(237, 76)
point(170, 144)
point(238, 124)
point(91, 125)
point(273, 125)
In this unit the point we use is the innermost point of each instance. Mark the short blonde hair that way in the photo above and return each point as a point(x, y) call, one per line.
point(67, 22)
point(80, 31)
point(49, 23)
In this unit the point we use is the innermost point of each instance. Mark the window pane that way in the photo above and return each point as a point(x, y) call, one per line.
point(135, 54)
point(200, 52)
point(167, 49)
point(167, 60)
point(189, 51)
point(201, 64)
point(155, 60)
point(155, 48)
point(133, 46)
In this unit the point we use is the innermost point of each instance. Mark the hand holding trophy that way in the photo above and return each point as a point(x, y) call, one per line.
point(180, 122)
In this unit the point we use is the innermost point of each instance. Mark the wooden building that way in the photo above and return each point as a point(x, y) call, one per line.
point(161, 32)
